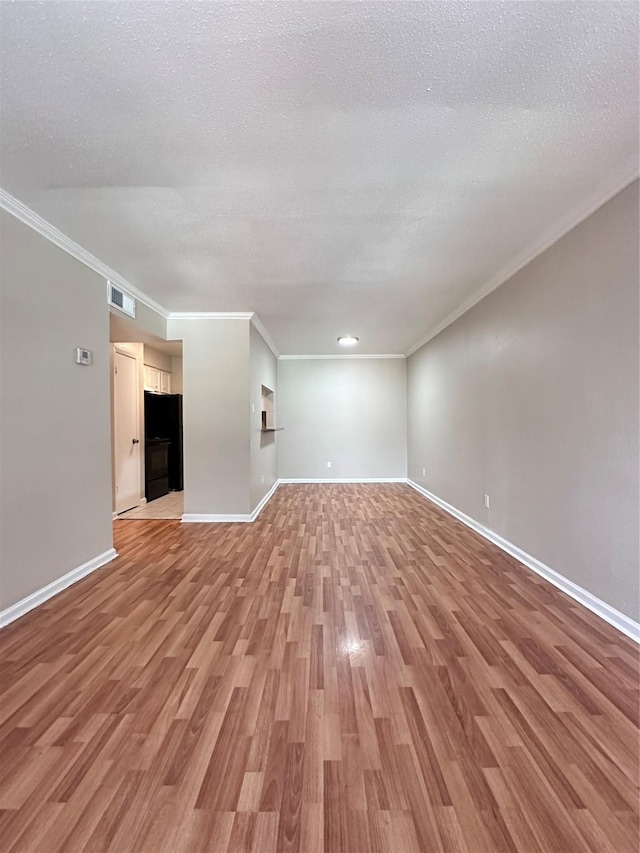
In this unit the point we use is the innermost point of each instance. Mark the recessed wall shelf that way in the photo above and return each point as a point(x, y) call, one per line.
point(268, 411)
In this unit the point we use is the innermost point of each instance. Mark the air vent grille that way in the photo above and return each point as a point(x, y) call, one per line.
point(121, 300)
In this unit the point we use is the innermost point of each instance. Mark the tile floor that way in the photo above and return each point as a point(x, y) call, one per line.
point(168, 506)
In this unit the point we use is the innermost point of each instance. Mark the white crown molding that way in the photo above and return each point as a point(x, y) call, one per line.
point(261, 328)
point(40, 596)
point(345, 480)
point(45, 229)
point(49, 232)
point(582, 596)
point(228, 315)
point(210, 315)
point(542, 242)
point(336, 356)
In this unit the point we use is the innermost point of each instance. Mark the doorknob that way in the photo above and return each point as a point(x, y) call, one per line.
point(135, 441)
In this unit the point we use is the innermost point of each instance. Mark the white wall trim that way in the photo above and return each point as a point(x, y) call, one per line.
point(16, 208)
point(220, 518)
point(45, 229)
point(261, 328)
point(210, 315)
point(338, 355)
point(229, 315)
point(345, 480)
point(213, 518)
point(605, 611)
point(264, 501)
point(542, 242)
point(36, 598)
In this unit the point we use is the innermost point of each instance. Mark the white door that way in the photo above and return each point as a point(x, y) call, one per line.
point(126, 439)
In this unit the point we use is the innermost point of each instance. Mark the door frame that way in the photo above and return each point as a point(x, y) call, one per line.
point(122, 349)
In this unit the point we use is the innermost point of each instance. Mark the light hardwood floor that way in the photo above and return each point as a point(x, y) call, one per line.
point(355, 672)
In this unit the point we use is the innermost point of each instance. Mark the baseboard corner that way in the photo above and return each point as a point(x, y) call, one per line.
point(230, 518)
point(265, 500)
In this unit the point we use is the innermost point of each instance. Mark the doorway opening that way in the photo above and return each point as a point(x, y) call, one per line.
point(146, 423)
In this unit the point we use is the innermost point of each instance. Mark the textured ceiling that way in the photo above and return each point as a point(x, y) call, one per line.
point(335, 167)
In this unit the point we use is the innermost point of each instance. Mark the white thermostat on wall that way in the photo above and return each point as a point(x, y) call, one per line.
point(83, 356)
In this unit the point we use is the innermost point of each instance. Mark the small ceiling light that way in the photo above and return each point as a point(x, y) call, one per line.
point(348, 341)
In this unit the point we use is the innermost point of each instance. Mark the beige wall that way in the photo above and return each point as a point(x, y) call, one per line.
point(532, 398)
point(216, 377)
point(176, 374)
point(351, 412)
point(264, 447)
point(146, 323)
point(55, 480)
point(157, 359)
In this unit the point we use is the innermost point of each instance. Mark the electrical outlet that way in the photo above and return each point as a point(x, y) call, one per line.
point(253, 408)
point(486, 501)
point(263, 479)
point(424, 472)
point(328, 464)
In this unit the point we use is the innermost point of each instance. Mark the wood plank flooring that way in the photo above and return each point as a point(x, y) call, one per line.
point(356, 672)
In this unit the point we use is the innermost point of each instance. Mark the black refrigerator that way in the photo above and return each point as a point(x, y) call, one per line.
point(163, 423)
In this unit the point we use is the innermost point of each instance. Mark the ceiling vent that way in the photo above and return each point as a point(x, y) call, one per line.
point(121, 300)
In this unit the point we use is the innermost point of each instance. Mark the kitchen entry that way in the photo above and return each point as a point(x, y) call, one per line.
point(163, 444)
point(146, 423)
point(168, 506)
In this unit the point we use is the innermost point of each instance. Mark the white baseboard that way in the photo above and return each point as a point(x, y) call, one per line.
point(264, 501)
point(36, 598)
point(213, 518)
point(582, 596)
point(347, 480)
point(217, 518)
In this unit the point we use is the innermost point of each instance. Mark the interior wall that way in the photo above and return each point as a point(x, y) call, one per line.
point(55, 478)
point(264, 446)
point(216, 383)
point(147, 322)
point(531, 397)
point(157, 359)
point(347, 411)
point(176, 374)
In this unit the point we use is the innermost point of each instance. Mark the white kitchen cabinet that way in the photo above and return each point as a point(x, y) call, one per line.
point(156, 380)
point(151, 378)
